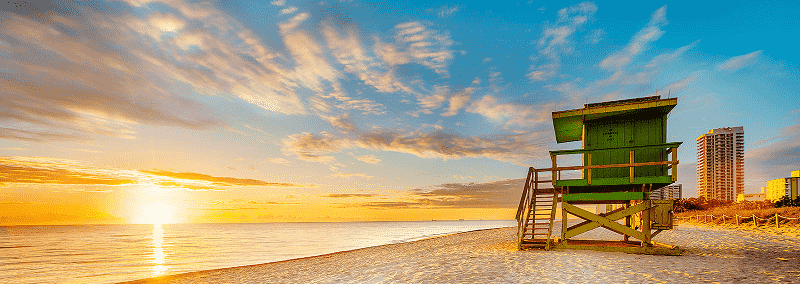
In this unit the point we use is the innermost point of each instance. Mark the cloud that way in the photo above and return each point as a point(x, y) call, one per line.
point(108, 70)
point(350, 52)
point(446, 11)
point(556, 39)
point(217, 181)
point(497, 194)
point(349, 195)
point(516, 147)
point(288, 10)
point(595, 36)
point(342, 175)
point(510, 114)
point(41, 170)
point(423, 45)
point(774, 157)
point(341, 122)
point(312, 147)
point(458, 101)
point(738, 62)
point(669, 57)
point(31, 171)
point(370, 159)
point(278, 161)
point(640, 42)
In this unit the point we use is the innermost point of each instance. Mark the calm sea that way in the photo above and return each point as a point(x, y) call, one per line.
point(113, 253)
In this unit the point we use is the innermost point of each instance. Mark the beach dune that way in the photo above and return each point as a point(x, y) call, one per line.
point(712, 254)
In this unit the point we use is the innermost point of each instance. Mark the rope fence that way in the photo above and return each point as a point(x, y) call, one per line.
point(735, 219)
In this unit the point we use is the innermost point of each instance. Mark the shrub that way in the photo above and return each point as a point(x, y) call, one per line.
point(787, 202)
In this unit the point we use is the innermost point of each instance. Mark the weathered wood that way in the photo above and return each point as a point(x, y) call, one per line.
point(606, 223)
point(673, 145)
point(631, 167)
point(612, 216)
point(632, 249)
point(603, 196)
point(605, 166)
point(674, 166)
point(589, 170)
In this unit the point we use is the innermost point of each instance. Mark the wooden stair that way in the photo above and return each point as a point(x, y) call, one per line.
point(536, 213)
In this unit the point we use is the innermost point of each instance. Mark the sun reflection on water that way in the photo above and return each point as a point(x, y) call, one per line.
point(158, 251)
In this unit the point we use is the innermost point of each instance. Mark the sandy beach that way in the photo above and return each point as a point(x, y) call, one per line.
point(712, 255)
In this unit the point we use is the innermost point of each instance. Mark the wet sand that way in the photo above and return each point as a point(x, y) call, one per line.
point(712, 254)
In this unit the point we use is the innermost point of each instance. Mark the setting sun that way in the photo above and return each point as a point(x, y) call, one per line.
point(156, 213)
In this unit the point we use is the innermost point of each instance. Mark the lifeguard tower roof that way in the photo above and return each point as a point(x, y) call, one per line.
point(569, 124)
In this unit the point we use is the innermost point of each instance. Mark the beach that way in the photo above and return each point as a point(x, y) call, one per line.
point(712, 255)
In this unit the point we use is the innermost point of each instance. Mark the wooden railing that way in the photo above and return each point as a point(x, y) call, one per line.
point(671, 148)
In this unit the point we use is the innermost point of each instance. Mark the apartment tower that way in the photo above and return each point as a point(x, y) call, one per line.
point(720, 163)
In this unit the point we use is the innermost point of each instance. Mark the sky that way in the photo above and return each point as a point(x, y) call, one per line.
point(143, 111)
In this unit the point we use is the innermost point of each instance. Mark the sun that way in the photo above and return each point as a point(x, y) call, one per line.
point(156, 213)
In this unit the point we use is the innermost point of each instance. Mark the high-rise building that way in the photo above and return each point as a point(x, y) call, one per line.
point(672, 191)
point(720, 163)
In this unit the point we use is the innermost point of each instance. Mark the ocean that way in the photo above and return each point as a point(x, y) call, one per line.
point(114, 253)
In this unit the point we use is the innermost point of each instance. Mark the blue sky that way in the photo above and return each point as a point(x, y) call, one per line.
point(370, 104)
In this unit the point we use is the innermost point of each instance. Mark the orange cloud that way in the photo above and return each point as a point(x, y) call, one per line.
point(348, 195)
point(219, 181)
point(28, 174)
point(497, 194)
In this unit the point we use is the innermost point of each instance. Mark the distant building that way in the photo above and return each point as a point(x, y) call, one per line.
point(672, 191)
point(778, 188)
point(753, 196)
point(720, 163)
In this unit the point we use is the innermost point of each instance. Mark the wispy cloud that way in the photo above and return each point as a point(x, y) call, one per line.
point(514, 147)
point(640, 42)
point(358, 175)
point(458, 101)
point(447, 11)
point(738, 62)
point(509, 113)
point(41, 170)
point(349, 195)
point(370, 159)
point(497, 194)
point(556, 40)
point(217, 181)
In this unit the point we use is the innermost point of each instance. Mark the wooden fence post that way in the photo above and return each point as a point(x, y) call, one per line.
point(755, 222)
point(777, 225)
point(737, 219)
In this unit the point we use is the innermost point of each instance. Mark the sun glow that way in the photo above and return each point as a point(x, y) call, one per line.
point(156, 213)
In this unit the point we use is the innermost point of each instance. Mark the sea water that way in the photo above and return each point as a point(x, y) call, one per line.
point(114, 253)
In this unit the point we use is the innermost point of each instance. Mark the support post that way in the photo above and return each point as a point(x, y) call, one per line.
point(563, 222)
point(553, 159)
point(646, 225)
point(625, 237)
point(675, 165)
point(589, 171)
point(737, 219)
point(777, 225)
point(631, 167)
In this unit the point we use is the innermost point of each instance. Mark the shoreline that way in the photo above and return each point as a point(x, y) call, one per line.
point(711, 254)
point(166, 278)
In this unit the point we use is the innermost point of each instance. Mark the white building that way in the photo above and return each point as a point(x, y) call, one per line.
point(720, 163)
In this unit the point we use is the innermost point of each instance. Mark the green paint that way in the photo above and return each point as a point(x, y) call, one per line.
point(603, 196)
point(615, 181)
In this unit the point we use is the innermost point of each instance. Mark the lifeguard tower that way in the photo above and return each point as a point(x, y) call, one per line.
point(625, 156)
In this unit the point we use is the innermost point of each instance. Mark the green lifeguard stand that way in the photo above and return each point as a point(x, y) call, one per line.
point(625, 156)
